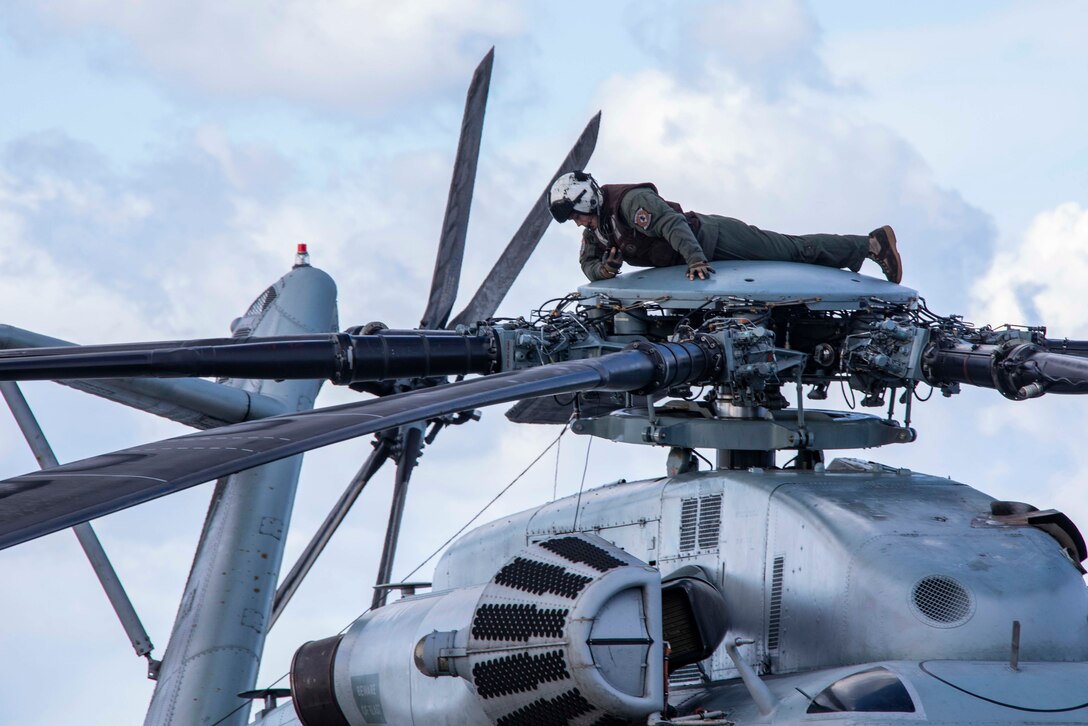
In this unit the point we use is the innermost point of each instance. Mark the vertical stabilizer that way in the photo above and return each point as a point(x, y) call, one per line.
point(218, 636)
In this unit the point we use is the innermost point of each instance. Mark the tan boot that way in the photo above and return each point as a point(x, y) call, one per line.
point(883, 251)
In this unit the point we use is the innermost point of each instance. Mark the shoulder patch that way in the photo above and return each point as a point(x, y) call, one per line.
point(642, 218)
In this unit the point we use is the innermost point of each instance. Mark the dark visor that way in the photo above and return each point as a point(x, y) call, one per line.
point(563, 208)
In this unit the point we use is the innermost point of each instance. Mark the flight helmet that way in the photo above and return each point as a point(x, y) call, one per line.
point(576, 191)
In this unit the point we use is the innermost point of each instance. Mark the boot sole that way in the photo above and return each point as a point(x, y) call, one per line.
point(889, 233)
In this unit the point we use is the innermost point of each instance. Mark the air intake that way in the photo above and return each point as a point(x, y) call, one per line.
point(700, 522)
point(263, 302)
point(942, 601)
point(774, 613)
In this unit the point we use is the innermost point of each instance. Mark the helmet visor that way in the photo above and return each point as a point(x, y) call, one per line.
point(562, 209)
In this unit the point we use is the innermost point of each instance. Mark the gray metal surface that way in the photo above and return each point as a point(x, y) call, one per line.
point(935, 702)
point(821, 288)
point(853, 546)
point(193, 402)
point(821, 430)
point(217, 639)
point(451, 243)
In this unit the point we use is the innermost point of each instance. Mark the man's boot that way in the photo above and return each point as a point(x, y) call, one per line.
point(883, 251)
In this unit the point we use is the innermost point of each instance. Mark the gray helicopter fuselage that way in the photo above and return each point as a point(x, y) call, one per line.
point(827, 571)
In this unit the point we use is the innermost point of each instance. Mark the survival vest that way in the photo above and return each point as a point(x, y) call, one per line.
point(637, 248)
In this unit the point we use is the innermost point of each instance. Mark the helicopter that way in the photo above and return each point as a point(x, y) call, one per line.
point(752, 332)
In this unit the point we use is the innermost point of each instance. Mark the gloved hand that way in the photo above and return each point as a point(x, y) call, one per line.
point(700, 269)
point(610, 265)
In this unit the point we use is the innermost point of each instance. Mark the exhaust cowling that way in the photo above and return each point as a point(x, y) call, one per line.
point(567, 631)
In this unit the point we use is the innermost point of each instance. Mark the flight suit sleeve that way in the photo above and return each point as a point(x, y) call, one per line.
point(591, 257)
point(650, 214)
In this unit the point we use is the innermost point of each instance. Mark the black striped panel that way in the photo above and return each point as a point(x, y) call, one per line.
point(539, 578)
point(518, 673)
point(557, 711)
point(578, 550)
point(517, 622)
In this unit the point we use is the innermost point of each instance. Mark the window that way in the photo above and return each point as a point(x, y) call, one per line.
point(877, 689)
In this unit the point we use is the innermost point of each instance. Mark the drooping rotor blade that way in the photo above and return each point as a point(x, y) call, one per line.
point(290, 583)
point(451, 245)
point(196, 403)
point(339, 357)
point(36, 504)
point(510, 263)
point(411, 444)
point(149, 345)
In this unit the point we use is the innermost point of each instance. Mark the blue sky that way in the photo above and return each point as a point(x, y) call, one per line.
point(159, 161)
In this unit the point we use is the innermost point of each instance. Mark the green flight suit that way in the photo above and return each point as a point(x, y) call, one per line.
point(718, 238)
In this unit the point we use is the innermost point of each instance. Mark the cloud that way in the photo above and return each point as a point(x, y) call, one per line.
point(769, 45)
point(1041, 281)
point(795, 166)
point(364, 55)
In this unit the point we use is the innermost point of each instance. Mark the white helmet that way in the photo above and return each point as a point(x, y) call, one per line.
point(574, 192)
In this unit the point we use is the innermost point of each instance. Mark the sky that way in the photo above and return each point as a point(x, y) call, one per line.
point(159, 162)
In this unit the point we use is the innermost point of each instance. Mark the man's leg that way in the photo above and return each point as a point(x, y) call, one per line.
point(735, 240)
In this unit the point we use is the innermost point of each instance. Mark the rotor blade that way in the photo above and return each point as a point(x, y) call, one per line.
point(290, 583)
point(451, 245)
point(510, 263)
point(339, 357)
point(142, 346)
point(196, 403)
point(410, 447)
point(36, 504)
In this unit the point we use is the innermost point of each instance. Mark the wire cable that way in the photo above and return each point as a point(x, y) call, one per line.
point(418, 567)
point(494, 499)
point(585, 468)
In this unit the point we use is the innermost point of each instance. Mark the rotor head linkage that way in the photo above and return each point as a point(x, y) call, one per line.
point(1018, 370)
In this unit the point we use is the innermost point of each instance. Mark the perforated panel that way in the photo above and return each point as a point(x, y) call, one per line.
point(517, 622)
point(574, 549)
point(539, 578)
point(568, 632)
point(556, 711)
point(518, 673)
point(943, 601)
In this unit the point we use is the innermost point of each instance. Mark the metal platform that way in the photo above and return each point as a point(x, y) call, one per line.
point(820, 288)
point(781, 430)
